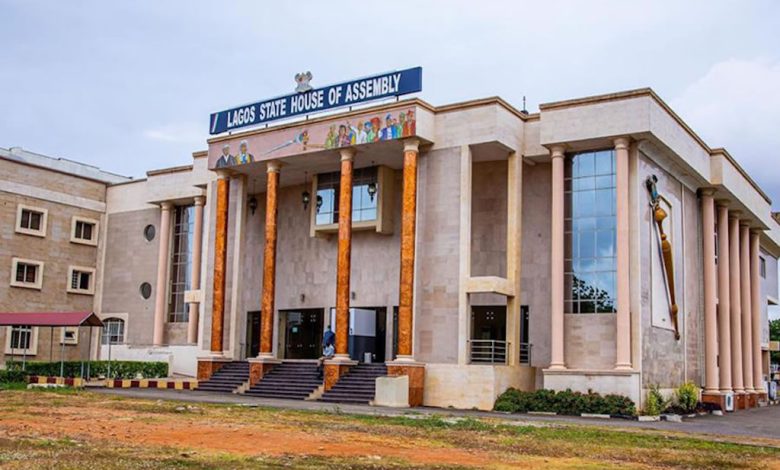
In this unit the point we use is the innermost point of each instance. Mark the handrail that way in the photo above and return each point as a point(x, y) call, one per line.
point(488, 351)
point(525, 353)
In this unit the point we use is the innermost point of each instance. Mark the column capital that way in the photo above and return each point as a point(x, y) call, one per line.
point(745, 223)
point(166, 205)
point(756, 231)
point(223, 174)
point(707, 191)
point(274, 166)
point(412, 145)
point(735, 214)
point(723, 203)
point(621, 142)
point(200, 200)
point(557, 151)
point(347, 154)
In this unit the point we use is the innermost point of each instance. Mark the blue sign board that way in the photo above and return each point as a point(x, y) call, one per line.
point(313, 100)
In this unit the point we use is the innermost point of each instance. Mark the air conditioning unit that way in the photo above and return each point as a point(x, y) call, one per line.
point(730, 401)
point(772, 389)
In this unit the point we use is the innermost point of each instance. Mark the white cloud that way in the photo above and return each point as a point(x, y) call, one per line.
point(736, 105)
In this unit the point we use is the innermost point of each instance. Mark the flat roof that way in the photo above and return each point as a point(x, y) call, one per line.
point(61, 165)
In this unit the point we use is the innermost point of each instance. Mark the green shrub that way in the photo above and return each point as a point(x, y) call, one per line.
point(687, 397)
point(564, 402)
point(655, 403)
point(119, 369)
point(11, 376)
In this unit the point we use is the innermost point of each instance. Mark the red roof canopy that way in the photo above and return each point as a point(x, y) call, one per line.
point(49, 319)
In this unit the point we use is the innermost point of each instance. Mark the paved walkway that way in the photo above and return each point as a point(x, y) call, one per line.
point(757, 422)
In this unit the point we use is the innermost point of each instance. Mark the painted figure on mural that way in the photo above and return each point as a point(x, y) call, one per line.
point(359, 133)
point(244, 156)
point(373, 135)
point(331, 139)
point(225, 159)
point(343, 138)
point(410, 126)
point(387, 132)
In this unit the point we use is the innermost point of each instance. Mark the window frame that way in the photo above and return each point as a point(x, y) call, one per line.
point(109, 318)
point(83, 241)
point(38, 284)
point(65, 340)
point(180, 271)
point(31, 351)
point(41, 232)
point(761, 267)
point(83, 269)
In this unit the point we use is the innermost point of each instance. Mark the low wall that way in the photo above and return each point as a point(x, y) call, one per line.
point(626, 383)
point(182, 360)
point(473, 386)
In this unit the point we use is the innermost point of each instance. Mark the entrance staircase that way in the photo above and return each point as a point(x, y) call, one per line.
point(356, 386)
point(228, 379)
point(290, 380)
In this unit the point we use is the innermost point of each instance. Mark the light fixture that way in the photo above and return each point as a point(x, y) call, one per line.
point(305, 196)
point(253, 204)
point(372, 190)
point(319, 203)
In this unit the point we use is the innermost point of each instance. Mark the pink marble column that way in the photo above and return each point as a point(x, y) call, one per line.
point(755, 310)
point(197, 242)
point(163, 258)
point(724, 301)
point(623, 320)
point(710, 292)
point(557, 248)
point(747, 311)
point(736, 303)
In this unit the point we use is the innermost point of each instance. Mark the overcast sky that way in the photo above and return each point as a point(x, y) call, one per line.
point(129, 86)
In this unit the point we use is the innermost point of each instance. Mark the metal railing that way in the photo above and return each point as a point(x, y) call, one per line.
point(487, 351)
point(525, 353)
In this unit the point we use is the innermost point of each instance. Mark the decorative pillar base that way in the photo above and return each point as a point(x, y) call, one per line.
point(259, 367)
point(740, 401)
point(716, 399)
point(334, 369)
point(416, 373)
point(752, 400)
point(210, 364)
point(763, 397)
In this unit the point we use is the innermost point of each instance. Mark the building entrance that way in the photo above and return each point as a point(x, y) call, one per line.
point(252, 334)
point(367, 332)
point(302, 333)
point(488, 334)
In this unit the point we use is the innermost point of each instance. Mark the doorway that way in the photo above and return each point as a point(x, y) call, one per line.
point(303, 333)
point(488, 334)
point(252, 334)
point(367, 333)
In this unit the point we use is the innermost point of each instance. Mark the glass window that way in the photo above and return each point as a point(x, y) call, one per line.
point(762, 266)
point(364, 196)
point(181, 273)
point(113, 331)
point(590, 234)
point(31, 220)
point(27, 273)
point(84, 230)
point(80, 280)
point(21, 337)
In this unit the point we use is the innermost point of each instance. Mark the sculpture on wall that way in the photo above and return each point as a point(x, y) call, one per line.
point(659, 215)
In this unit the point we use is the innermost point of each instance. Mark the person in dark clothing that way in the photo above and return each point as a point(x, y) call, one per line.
point(329, 338)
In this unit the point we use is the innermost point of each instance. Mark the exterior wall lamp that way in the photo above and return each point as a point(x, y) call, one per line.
point(372, 190)
point(305, 197)
point(253, 204)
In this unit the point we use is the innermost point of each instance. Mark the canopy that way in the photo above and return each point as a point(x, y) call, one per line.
point(49, 319)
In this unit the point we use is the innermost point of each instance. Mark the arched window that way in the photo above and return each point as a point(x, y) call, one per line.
point(113, 331)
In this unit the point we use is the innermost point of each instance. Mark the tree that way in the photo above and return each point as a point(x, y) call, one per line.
point(774, 335)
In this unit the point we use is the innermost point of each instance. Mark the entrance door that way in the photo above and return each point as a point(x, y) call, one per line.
point(488, 334)
point(252, 334)
point(304, 334)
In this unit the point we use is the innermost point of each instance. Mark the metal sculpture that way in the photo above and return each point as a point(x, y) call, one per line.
point(659, 215)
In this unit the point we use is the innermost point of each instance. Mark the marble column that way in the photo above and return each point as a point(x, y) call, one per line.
point(747, 311)
point(724, 301)
point(197, 245)
point(267, 309)
point(408, 236)
point(736, 303)
point(710, 292)
point(163, 262)
point(755, 310)
point(623, 320)
point(344, 255)
point(557, 361)
point(220, 263)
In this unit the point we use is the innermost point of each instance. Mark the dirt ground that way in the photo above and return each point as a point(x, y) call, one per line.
point(129, 433)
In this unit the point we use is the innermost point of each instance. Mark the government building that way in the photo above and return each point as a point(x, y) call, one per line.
point(599, 244)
